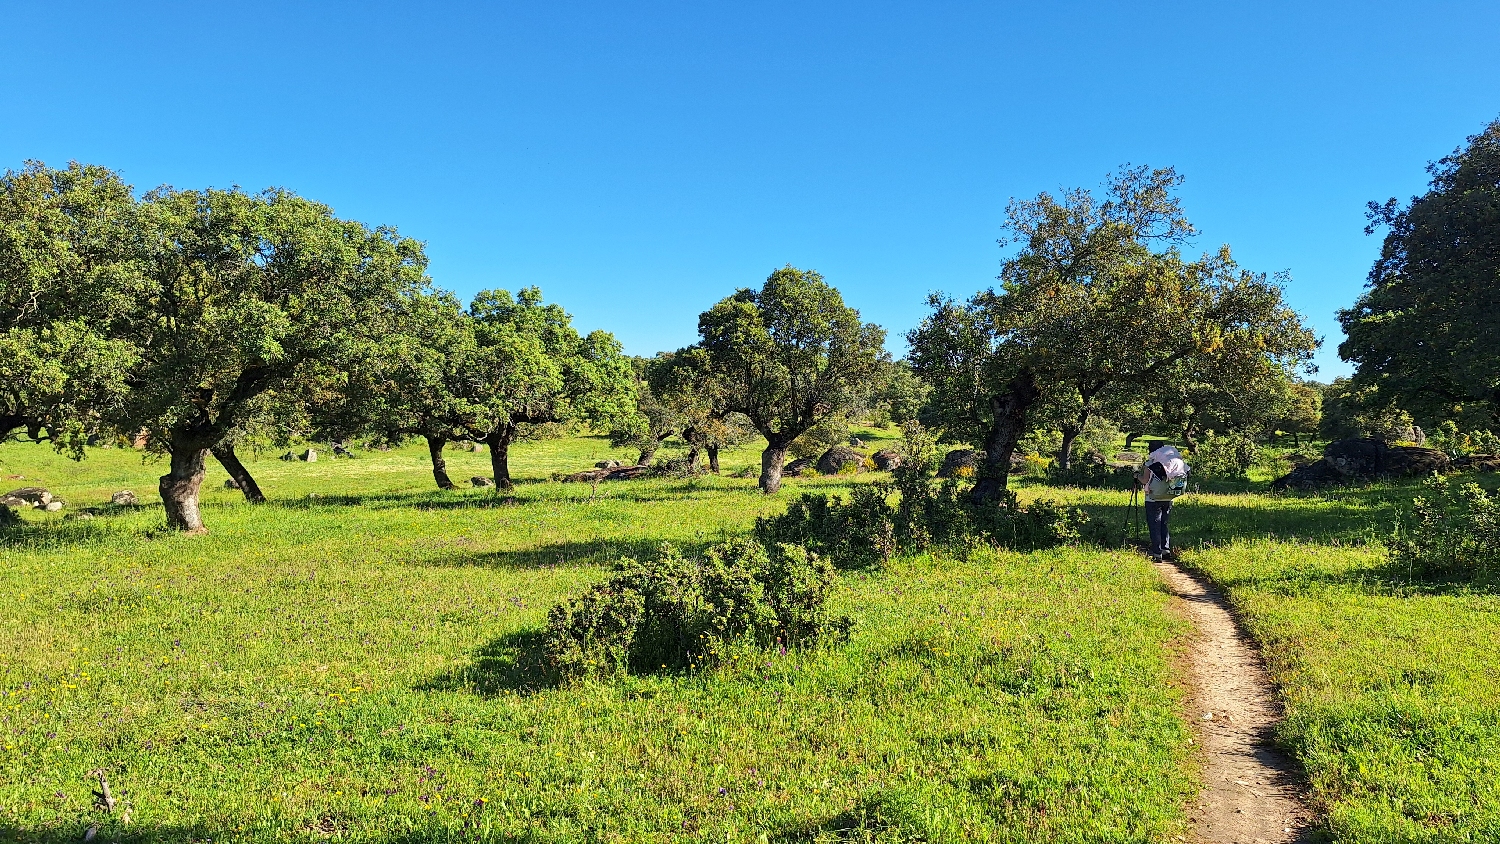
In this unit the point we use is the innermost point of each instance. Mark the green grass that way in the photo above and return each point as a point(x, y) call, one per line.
point(351, 660)
point(1392, 687)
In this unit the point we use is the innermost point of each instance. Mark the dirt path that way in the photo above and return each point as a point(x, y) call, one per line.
point(1251, 793)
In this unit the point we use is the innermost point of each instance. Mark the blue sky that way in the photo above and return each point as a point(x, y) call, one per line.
point(640, 161)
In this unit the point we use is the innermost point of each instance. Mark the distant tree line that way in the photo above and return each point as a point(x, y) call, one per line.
point(205, 320)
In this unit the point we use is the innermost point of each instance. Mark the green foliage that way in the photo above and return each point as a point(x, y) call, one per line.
point(1452, 531)
point(1427, 330)
point(1459, 443)
point(1304, 411)
point(857, 533)
point(674, 611)
point(1355, 411)
point(1224, 456)
point(789, 356)
point(65, 277)
point(1098, 307)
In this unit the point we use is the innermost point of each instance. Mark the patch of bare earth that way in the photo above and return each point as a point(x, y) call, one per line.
point(1251, 790)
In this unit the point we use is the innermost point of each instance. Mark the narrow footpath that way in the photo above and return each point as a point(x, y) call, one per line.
point(1251, 791)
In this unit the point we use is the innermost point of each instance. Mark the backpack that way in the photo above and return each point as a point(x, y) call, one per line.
point(1174, 480)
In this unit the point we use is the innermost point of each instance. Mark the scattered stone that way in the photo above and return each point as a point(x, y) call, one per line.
point(608, 464)
point(961, 458)
point(341, 450)
point(289, 456)
point(124, 498)
point(17, 503)
point(34, 496)
point(53, 506)
point(308, 456)
point(887, 459)
point(479, 481)
point(798, 466)
point(836, 461)
point(856, 442)
point(231, 483)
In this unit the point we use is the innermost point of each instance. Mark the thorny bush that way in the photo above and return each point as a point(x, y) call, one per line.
point(675, 611)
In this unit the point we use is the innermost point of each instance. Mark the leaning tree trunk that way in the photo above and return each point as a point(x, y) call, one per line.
point(713, 458)
point(224, 453)
point(1131, 438)
point(179, 487)
point(439, 464)
point(646, 454)
point(1009, 423)
point(499, 441)
point(771, 461)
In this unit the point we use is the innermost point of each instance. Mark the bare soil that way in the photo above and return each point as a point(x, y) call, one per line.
point(1252, 792)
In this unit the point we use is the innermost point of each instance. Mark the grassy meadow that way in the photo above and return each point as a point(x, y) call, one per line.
point(354, 661)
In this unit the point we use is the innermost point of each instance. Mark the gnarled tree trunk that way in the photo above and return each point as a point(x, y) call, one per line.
point(179, 487)
point(771, 461)
point(713, 458)
point(646, 455)
point(224, 453)
point(499, 441)
point(1009, 423)
point(439, 464)
point(1065, 451)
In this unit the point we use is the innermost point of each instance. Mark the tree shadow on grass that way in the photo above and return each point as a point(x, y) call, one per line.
point(513, 663)
point(594, 552)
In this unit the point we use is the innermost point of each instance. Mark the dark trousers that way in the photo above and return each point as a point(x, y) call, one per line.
point(1157, 515)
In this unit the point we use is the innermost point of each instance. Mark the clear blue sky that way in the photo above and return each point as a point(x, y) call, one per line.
point(639, 161)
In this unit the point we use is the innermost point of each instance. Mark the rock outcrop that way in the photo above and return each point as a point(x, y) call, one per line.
point(1355, 461)
point(839, 460)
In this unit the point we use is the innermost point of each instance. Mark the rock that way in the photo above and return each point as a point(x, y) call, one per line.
point(608, 464)
point(81, 516)
point(960, 458)
point(34, 496)
point(481, 481)
point(341, 450)
point(231, 483)
point(17, 503)
point(53, 506)
point(124, 498)
point(308, 456)
point(856, 442)
point(798, 466)
point(289, 456)
point(1478, 463)
point(887, 459)
point(841, 460)
point(1352, 461)
point(618, 473)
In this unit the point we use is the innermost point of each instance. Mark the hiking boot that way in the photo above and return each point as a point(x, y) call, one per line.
point(1155, 558)
point(1170, 556)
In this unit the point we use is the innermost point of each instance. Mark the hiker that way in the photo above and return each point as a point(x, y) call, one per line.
point(1164, 478)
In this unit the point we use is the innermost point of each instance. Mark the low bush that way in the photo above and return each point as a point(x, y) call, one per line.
point(1453, 531)
point(866, 529)
point(675, 611)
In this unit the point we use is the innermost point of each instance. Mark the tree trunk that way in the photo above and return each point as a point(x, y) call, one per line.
point(499, 442)
point(771, 461)
point(1065, 451)
point(439, 465)
point(693, 452)
point(224, 453)
point(1131, 438)
point(1009, 412)
point(646, 455)
point(179, 487)
point(1188, 439)
point(713, 459)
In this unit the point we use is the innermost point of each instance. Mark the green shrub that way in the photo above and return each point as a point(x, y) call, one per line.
point(1224, 456)
point(857, 533)
point(675, 612)
point(1452, 532)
